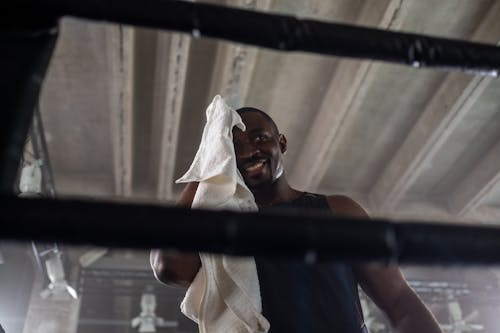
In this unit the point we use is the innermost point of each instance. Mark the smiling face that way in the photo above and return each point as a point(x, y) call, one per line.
point(259, 150)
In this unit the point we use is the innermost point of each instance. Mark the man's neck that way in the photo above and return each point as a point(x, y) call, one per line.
point(277, 192)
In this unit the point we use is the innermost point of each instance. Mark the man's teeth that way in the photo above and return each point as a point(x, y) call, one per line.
point(255, 166)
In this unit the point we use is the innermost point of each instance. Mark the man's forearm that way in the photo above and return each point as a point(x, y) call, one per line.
point(175, 268)
point(414, 317)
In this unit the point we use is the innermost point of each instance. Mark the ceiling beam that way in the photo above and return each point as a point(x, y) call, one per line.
point(235, 63)
point(172, 59)
point(121, 40)
point(483, 214)
point(443, 113)
point(348, 86)
point(477, 185)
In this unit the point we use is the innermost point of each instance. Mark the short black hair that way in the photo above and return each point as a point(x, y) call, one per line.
point(247, 109)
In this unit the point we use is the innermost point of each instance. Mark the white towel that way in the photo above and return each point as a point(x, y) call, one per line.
point(225, 294)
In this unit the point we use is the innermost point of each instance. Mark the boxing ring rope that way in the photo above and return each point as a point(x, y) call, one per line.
point(282, 32)
point(28, 32)
point(306, 237)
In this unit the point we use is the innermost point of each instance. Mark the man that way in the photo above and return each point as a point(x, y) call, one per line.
point(297, 297)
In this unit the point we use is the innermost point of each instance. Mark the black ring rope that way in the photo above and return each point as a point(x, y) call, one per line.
point(282, 236)
point(281, 32)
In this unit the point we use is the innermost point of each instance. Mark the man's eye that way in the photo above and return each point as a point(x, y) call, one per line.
point(261, 138)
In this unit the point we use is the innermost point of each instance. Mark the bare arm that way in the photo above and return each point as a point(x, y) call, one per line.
point(173, 267)
point(387, 287)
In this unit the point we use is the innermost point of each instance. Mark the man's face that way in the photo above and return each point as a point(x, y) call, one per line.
point(258, 151)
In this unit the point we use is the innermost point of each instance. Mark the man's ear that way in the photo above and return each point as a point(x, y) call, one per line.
point(283, 143)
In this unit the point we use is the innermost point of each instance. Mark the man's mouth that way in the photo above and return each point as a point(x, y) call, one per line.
point(255, 166)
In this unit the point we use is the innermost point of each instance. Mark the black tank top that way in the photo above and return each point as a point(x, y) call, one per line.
point(299, 297)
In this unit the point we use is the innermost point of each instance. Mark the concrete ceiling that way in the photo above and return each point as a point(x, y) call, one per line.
point(124, 108)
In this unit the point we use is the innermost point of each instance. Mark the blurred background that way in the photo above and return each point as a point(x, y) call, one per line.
point(121, 115)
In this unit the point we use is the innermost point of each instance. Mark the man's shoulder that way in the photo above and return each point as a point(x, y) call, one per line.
point(344, 205)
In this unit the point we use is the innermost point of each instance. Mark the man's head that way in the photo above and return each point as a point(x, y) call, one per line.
point(259, 149)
